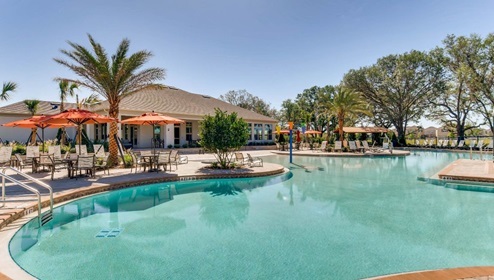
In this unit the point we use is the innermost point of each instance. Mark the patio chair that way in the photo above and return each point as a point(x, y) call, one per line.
point(32, 156)
point(5, 155)
point(240, 159)
point(82, 151)
point(99, 151)
point(102, 163)
point(472, 143)
point(337, 146)
point(353, 146)
point(84, 163)
point(137, 161)
point(47, 161)
point(56, 153)
point(20, 163)
point(163, 160)
point(453, 144)
point(174, 159)
point(254, 161)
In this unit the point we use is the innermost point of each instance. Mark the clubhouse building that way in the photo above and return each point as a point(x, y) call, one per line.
point(170, 101)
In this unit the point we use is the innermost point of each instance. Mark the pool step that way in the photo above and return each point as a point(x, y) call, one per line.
point(46, 217)
point(467, 187)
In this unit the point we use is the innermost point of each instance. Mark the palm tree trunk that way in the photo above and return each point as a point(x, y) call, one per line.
point(341, 119)
point(112, 144)
point(33, 136)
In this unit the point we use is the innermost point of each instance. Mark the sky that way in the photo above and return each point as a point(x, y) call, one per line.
point(274, 49)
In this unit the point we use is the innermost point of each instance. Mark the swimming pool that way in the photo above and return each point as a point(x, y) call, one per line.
point(329, 218)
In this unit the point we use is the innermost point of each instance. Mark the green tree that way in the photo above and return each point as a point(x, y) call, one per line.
point(475, 59)
point(7, 88)
point(453, 106)
point(244, 99)
point(32, 106)
point(223, 134)
point(112, 77)
point(398, 87)
point(290, 112)
point(344, 104)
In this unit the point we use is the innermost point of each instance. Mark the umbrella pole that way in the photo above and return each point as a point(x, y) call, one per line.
point(43, 139)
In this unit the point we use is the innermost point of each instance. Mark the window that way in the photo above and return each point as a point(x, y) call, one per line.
point(188, 132)
point(257, 131)
point(96, 132)
point(268, 132)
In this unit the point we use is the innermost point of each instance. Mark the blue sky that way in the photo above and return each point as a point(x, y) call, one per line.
point(272, 48)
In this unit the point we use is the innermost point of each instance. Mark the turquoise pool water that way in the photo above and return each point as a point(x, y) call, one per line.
point(329, 218)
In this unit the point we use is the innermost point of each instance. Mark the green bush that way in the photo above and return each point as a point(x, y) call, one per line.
point(185, 145)
point(19, 149)
point(127, 161)
point(170, 146)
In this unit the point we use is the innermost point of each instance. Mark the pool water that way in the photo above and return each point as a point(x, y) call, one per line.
point(329, 218)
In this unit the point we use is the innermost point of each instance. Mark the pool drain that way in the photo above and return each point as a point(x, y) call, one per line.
point(111, 232)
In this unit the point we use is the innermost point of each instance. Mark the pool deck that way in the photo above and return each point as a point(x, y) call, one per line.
point(15, 215)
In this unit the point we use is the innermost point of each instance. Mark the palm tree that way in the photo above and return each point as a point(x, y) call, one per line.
point(113, 78)
point(346, 102)
point(6, 89)
point(66, 89)
point(32, 107)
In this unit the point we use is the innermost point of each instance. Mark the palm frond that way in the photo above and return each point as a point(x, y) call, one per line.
point(6, 89)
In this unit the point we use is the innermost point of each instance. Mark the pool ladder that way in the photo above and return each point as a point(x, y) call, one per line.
point(42, 218)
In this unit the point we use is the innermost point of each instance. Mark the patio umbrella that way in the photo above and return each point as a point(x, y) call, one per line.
point(284, 131)
point(153, 119)
point(36, 122)
point(78, 117)
point(312, 132)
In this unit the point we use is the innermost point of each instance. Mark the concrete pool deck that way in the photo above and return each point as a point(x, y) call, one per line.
point(67, 189)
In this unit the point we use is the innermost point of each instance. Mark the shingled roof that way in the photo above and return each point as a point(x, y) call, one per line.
point(44, 108)
point(174, 101)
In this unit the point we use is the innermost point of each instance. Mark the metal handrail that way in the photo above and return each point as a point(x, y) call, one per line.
point(29, 177)
point(21, 184)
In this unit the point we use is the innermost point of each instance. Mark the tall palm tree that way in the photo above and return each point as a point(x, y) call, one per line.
point(113, 78)
point(344, 103)
point(66, 89)
point(6, 89)
point(32, 107)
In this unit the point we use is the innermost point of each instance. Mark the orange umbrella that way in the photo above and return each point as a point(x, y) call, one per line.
point(285, 131)
point(153, 119)
point(312, 132)
point(36, 122)
point(78, 117)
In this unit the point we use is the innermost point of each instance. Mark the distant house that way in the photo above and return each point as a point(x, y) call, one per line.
point(170, 101)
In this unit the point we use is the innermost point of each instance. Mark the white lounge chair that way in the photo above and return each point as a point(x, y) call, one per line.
point(353, 146)
point(323, 146)
point(337, 146)
point(254, 161)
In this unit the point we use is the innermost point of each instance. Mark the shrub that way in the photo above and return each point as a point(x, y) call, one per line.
point(185, 145)
point(127, 161)
point(170, 146)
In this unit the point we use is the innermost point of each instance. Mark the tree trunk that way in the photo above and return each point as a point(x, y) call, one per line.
point(341, 119)
point(460, 132)
point(33, 136)
point(112, 144)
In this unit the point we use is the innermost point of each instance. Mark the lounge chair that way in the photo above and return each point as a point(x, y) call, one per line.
point(489, 146)
point(353, 146)
point(480, 145)
point(359, 146)
point(254, 161)
point(472, 143)
point(453, 144)
point(240, 159)
point(323, 146)
point(365, 145)
point(461, 144)
point(337, 146)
